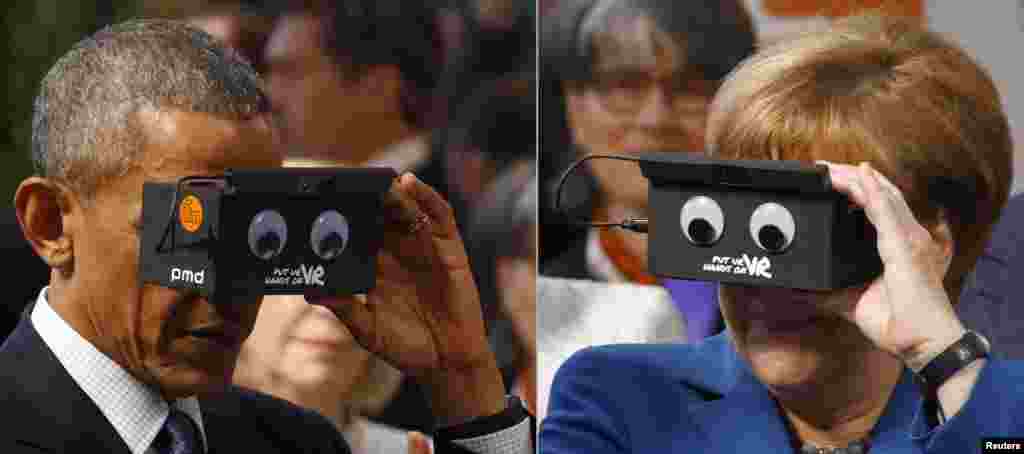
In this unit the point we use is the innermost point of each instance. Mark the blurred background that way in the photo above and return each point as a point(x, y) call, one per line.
point(442, 88)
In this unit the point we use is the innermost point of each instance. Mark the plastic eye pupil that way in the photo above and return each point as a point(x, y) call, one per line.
point(701, 232)
point(702, 221)
point(772, 227)
point(268, 234)
point(331, 246)
point(267, 245)
point(772, 238)
point(330, 235)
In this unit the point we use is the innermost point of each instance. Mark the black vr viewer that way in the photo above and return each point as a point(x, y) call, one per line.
point(269, 231)
point(777, 223)
point(754, 222)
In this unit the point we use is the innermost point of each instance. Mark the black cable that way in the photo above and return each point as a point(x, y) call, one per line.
point(636, 225)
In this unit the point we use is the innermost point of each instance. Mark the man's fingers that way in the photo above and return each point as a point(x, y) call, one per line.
point(401, 210)
point(433, 204)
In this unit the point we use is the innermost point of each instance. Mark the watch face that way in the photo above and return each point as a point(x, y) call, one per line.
point(964, 353)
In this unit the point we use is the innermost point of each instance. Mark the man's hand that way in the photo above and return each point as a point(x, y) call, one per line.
point(424, 316)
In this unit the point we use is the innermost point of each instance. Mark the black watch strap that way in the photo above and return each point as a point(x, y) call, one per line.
point(957, 356)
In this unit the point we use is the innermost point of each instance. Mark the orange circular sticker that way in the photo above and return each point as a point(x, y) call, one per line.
point(190, 213)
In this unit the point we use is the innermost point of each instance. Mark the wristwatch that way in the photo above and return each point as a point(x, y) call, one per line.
point(970, 347)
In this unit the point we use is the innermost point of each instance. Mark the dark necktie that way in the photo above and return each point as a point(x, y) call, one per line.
point(180, 435)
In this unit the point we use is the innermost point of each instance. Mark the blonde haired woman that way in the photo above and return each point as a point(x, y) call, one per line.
point(915, 134)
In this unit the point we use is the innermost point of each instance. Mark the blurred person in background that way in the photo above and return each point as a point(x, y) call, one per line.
point(243, 26)
point(620, 77)
point(351, 83)
point(493, 38)
point(502, 243)
point(493, 128)
point(490, 55)
point(302, 353)
point(490, 156)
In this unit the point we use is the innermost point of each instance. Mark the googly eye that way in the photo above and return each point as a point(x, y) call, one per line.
point(702, 221)
point(772, 227)
point(329, 235)
point(268, 234)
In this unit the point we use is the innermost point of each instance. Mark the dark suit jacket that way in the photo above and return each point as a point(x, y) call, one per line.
point(697, 398)
point(31, 276)
point(44, 410)
point(990, 300)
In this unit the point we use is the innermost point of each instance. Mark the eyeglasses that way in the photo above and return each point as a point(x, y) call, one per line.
point(627, 93)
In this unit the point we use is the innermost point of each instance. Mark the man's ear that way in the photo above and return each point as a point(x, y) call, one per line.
point(46, 210)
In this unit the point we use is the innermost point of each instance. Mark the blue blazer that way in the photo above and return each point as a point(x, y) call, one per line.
point(703, 398)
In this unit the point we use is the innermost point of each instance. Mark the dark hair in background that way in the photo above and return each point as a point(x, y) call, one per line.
point(496, 121)
point(361, 33)
point(717, 35)
point(485, 52)
point(487, 67)
point(503, 225)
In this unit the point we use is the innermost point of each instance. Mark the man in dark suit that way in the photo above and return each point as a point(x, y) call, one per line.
point(102, 363)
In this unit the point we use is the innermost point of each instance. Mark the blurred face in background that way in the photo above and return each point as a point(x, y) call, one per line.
point(302, 353)
point(643, 96)
point(324, 113)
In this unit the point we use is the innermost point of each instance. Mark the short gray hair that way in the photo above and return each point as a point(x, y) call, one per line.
point(84, 128)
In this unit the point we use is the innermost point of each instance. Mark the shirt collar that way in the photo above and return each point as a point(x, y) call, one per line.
point(136, 411)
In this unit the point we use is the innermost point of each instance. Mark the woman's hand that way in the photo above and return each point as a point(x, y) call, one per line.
point(905, 311)
point(424, 315)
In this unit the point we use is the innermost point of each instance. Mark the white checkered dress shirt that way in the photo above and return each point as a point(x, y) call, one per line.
point(137, 412)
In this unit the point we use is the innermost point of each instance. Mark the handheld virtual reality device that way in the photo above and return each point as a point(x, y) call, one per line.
point(759, 223)
point(269, 231)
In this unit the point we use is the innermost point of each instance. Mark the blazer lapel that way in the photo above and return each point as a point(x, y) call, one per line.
point(892, 433)
point(52, 411)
